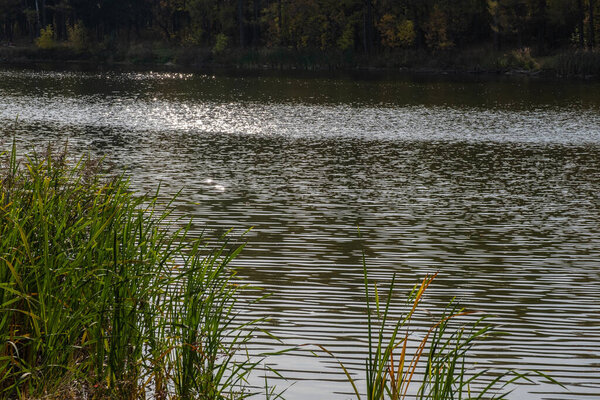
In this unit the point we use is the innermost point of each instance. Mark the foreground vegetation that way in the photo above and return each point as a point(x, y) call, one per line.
point(101, 297)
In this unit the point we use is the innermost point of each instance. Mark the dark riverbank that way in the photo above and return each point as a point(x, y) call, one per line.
point(562, 64)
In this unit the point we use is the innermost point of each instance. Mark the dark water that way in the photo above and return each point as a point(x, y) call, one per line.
point(494, 183)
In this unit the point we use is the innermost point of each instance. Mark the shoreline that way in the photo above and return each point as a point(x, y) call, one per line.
point(257, 60)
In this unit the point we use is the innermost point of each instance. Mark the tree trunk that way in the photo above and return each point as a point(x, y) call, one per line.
point(541, 22)
point(241, 21)
point(256, 26)
point(279, 17)
point(495, 29)
point(37, 11)
point(592, 40)
point(580, 17)
point(43, 13)
point(368, 26)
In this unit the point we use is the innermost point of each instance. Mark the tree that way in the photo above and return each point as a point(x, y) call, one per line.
point(9, 12)
point(591, 25)
point(436, 30)
point(396, 32)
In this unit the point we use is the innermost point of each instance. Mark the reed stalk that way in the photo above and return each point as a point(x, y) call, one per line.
point(437, 368)
point(101, 295)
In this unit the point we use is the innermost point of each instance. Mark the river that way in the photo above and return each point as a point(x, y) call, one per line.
point(494, 182)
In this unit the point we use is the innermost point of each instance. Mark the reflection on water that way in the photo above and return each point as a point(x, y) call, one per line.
point(494, 184)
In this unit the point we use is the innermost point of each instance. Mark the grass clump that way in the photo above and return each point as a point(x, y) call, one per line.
point(102, 297)
point(431, 364)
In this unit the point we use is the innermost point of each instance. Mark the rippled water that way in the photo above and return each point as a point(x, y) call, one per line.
point(495, 183)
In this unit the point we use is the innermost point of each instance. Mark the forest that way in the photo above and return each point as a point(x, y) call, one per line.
point(361, 25)
point(364, 27)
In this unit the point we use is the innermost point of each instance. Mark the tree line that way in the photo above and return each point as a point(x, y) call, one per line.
point(345, 25)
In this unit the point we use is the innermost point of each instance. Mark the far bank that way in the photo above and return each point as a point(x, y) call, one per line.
point(565, 63)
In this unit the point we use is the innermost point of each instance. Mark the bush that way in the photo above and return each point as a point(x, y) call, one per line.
point(77, 36)
point(221, 43)
point(46, 39)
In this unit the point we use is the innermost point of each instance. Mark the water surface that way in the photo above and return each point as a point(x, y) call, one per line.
point(495, 183)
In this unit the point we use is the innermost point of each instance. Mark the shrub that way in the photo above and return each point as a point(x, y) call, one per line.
point(221, 43)
point(46, 39)
point(77, 36)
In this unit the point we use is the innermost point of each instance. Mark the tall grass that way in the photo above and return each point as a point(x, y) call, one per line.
point(101, 297)
point(436, 368)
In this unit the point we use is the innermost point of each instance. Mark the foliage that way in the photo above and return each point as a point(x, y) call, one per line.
point(522, 58)
point(395, 33)
point(77, 36)
point(519, 59)
point(346, 40)
point(101, 294)
point(367, 25)
point(46, 39)
point(221, 43)
point(436, 30)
